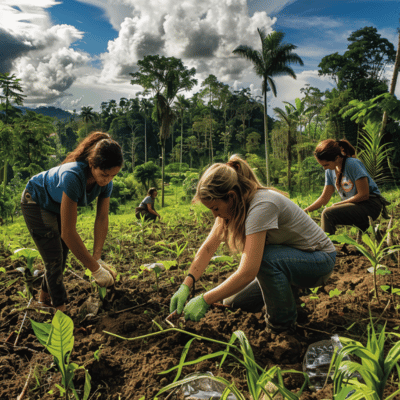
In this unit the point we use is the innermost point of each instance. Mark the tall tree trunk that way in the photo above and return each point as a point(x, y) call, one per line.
point(266, 140)
point(289, 160)
point(180, 165)
point(162, 171)
point(5, 177)
point(145, 140)
point(392, 84)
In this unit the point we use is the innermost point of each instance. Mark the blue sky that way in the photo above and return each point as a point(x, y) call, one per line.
point(74, 53)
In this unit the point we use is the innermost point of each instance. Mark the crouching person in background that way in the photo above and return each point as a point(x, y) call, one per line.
point(146, 207)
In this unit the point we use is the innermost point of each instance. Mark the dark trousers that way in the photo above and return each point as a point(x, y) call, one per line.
point(147, 215)
point(45, 229)
point(354, 214)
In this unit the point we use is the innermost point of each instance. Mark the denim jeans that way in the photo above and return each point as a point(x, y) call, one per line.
point(281, 268)
point(45, 229)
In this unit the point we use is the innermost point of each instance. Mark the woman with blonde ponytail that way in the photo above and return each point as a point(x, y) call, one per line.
point(281, 246)
point(49, 205)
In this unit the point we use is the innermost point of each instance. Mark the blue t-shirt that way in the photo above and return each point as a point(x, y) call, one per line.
point(147, 200)
point(48, 187)
point(354, 169)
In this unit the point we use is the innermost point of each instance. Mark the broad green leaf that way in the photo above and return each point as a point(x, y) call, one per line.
point(42, 331)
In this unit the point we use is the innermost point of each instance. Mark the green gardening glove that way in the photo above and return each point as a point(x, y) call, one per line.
point(196, 309)
point(179, 299)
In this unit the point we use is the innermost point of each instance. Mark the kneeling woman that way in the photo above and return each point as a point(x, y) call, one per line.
point(281, 246)
point(359, 194)
point(49, 205)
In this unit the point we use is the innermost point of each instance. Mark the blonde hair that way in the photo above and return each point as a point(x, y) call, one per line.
point(219, 179)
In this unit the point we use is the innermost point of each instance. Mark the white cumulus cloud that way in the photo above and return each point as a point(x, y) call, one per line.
point(203, 34)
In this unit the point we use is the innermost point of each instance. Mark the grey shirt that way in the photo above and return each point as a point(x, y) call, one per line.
point(285, 222)
point(147, 200)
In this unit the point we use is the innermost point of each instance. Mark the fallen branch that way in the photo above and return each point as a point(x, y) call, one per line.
point(23, 322)
point(26, 386)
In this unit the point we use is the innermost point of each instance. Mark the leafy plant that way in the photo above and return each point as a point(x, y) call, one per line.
point(335, 292)
point(58, 340)
point(313, 296)
point(257, 377)
point(28, 271)
point(374, 250)
point(374, 368)
point(179, 249)
point(218, 260)
point(102, 291)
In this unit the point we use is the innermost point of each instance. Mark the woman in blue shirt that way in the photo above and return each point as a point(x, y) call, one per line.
point(49, 205)
point(360, 196)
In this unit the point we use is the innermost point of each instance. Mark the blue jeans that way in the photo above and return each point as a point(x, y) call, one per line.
point(281, 268)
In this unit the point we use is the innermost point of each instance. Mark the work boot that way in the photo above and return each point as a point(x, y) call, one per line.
point(45, 299)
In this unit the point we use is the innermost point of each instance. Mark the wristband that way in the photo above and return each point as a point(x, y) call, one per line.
point(193, 287)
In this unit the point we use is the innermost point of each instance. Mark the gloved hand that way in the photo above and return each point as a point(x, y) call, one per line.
point(196, 309)
point(102, 277)
point(179, 299)
point(109, 268)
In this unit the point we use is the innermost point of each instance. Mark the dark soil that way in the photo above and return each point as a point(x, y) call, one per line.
point(130, 369)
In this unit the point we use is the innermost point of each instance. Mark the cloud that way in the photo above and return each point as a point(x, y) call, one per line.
point(39, 53)
point(203, 34)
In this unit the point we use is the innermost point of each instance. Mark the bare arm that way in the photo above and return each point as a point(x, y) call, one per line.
point(69, 213)
point(151, 210)
point(100, 226)
point(322, 200)
point(206, 251)
point(362, 192)
point(248, 269)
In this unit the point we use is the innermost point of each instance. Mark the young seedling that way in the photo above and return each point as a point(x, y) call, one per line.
point(28, 271)
point(179, 249)
point(58, 340)
point(102, 291)
point(157, 268)
point(335, 292)
point(257, 376)
point(374, 250)
point(374, 368)
point(218, 260)
point(314, 297)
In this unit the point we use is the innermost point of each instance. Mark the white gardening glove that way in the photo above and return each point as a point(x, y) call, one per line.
point(102, 277)
point(109, 268)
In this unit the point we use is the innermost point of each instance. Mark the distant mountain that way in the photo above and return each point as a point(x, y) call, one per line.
point(51, 112)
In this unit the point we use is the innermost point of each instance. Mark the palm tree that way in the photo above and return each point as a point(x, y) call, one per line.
point(87, 115)
point(144, 106)
point(164, 78)
point(286, 116)
point(293, 116)
point(181, 104)
point(10, 86)
point(273, 60)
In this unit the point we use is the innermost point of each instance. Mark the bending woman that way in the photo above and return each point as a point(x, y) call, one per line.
point(281, 246)
point(49, 205)
point(360, 196)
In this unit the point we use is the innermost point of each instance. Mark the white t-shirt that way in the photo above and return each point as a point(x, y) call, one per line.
point(285, 222)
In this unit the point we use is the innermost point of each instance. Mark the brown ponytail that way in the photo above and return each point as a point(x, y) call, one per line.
point(98, 150)
point(329, 150)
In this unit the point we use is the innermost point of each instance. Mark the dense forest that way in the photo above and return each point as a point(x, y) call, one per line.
point(168, 134)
